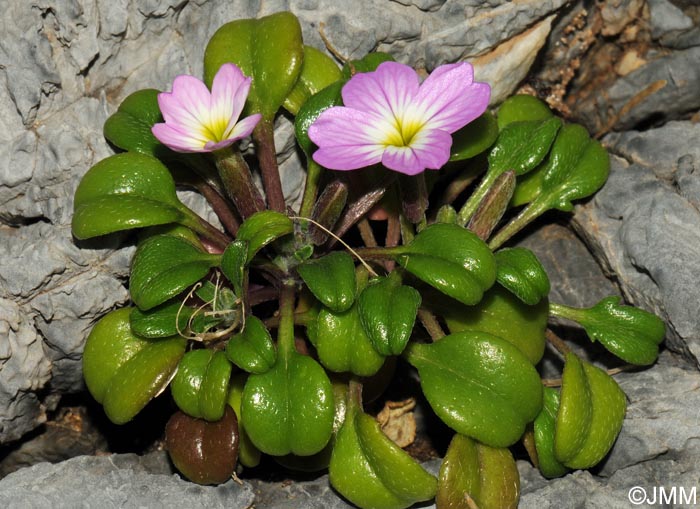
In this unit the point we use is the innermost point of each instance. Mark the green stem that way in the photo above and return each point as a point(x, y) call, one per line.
point(285, 332)
point(238, 182)
point(468, 209)
point(526, 216)
point(264, 137)
point(414, 197)
point(562, 311)
point(430, 323)
point(313, 177)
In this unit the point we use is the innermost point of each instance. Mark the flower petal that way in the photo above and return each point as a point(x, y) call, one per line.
point(229, 91)
point(177, 140)
point(244, 127)
point(386, 92)
point(187, 106)
point(347, 139)
point(429, 149)
point(450, 99)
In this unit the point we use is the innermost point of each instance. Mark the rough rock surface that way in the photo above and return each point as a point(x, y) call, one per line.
point(65, 65)
point(645, 225)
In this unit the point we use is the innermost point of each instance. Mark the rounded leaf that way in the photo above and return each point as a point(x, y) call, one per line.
point(519, 271)
point(479, 385)
point(544, 427)
point(252, 349)
point(262, 228)
point(474, 138)
point(331, 278)
point(520, 108)
point(129, 128)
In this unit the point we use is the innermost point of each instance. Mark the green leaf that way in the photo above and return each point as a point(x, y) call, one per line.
point(164, 266)
point(109, 346)
point(269, 50)
point(474, 138)
point(233, 263)
point(317, 72)
point(129, 128)
point(200, 386)
point(331, 278)
point(262, 228)
point(342, 344)
point(289, 409)
point(167, 319)
point(479, 385)
point(520, 108)
point(522, 145)
point(252, 349)
point(388, 312)
point(142, 378)
point(248, 454)
point(630, 333)
point(520, 272)
point(311, 110)
point(451, 259)
point(544, 427)
point(125, 191)
point(487, 475)
point(578, 166)
point(371, 471)
point(586, 427)
point(502, 314)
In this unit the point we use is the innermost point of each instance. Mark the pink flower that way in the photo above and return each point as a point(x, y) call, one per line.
point(389, 117)
point(199, 121)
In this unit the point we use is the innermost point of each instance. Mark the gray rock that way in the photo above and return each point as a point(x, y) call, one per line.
point(666, 18)
point(664, 88)
point(645, 230)
point(114, 482)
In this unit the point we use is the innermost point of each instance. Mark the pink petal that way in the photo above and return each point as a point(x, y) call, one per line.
point(429, 149)
point(187, 106)
point(210, 146)
point(385, 92)
point(245, 127)
point(450, 99)
point(177, 140)
point(340, 126)
point(228, 94)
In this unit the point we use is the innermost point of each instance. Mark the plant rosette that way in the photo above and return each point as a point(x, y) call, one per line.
point(266, 331)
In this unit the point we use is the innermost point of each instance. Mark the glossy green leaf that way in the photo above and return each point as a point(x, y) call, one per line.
point(521, 146)
point(578, 166)
point(480, 385)
point(110, 344)
point(122, 192)
point(520, 108)
point(331, 278)
point(474, 138)
point(371, 471)
point(269, 50)
point(167, 319)
point(200, 386)
point(164, 266)
point(451, 259)
point(318, 70)
point(142, 378)
point(262, 228)
point(129, 128)
point(289, 409)
point(387, 311)
point(233, 262)
point(582, 443)
point(504, 315)
point(486, 475)
point(342, 344)
point(630, 333)
point(252, 349)
point(544, 427)
point(520, 272)
point(248, 454)
point(311, 110)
